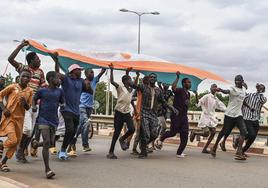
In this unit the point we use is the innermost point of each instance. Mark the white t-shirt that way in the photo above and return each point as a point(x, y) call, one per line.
point(209, 104)
point(236, 99)
point(124, 98)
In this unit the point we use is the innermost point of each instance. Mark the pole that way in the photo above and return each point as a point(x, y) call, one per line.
point(139, 35)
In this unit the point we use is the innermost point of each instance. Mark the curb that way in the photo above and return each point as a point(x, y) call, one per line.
point(255, 149)
point(12, 183)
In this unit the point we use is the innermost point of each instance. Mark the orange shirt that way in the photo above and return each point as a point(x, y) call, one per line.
point(13, 93)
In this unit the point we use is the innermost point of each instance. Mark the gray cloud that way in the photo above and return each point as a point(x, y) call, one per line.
point(223, 36)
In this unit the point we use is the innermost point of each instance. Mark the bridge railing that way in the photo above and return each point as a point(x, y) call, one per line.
point(105, 121)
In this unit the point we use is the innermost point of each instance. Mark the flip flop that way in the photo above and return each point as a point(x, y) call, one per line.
point(157, 145)
point(4, 168)
point(240, 158)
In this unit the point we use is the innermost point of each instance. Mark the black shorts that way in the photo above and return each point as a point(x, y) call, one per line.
point(231, 122)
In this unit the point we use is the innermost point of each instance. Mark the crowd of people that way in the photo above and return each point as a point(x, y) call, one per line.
point(29, 110)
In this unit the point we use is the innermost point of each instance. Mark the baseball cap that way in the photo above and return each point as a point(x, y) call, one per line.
point(74, 66)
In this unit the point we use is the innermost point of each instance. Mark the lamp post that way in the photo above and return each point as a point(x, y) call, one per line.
point(139, 15)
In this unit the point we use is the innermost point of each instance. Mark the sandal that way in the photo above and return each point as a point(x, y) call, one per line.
point(240, 157)
point(4, 168)
point(1, 149)
point(50, 174)
point(158, 145)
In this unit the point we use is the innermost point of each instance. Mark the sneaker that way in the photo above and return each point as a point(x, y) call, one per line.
point(111, 156)
point(123, 145)
point(53, 151)
point(192, 136)
point(181, 155)
point(158, 144)
point(62, 155)
point(86, 149)
point(72, 154)
point(205, 151)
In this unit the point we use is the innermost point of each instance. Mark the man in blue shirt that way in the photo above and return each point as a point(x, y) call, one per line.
point(73, 86)
point(47, 120)
point(86, 108)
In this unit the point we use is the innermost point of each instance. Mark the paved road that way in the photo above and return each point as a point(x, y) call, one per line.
point(162, 169)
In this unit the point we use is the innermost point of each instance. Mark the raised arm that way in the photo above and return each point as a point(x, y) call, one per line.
point(54, 56)
point(116, 85)
point(128, 70)
point(87, 87)
point(14, 54)
point(160, 85)
point(137, 78)
point(175, 83)
point(101, 73)
point(224, 91)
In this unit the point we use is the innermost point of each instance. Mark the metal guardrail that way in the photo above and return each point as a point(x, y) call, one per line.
point(105, 120)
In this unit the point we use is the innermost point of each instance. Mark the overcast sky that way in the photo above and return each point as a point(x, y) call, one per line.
point(226, 37)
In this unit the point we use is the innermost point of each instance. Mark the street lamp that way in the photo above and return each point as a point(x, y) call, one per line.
point(139, 14)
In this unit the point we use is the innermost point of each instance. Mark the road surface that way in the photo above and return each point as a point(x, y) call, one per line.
point(161, 170)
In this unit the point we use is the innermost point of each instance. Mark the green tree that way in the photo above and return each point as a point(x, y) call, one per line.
point(9, 79)
point(100, 96)
point(193, 107)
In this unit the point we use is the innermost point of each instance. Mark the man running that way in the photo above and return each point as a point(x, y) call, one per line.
point(73, 85)
point(19, 100)
point(37, 81)
point(47, 121)
point(233, 116)
point(122, 112)
point(208, 120)
point(151, 97)
point(137, 115)
point(179, 122)
point(251, 117)
point(86, 108)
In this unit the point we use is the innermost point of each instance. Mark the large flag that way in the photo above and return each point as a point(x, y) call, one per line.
point(145, 64)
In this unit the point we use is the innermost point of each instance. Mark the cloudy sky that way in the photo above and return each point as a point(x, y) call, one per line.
point(226, 37)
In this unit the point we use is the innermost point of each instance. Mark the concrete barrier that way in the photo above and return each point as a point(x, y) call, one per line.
point(105, 121)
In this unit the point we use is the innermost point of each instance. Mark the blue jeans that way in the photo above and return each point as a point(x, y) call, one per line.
point(83, 127)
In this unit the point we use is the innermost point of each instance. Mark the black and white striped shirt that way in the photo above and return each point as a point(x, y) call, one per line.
point(255, 101)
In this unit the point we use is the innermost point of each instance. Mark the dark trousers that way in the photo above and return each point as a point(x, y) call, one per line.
point(253, 129)
point(179, 124)
point(149, 129)
point(71, 123)
point(119, 120)
point(230, 123)
point(83, 127)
